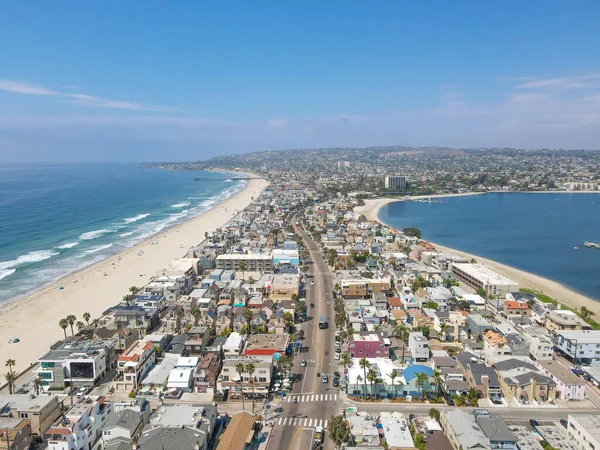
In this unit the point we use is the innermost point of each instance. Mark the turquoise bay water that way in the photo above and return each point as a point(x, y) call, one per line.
point(532, 232)
point(57, 219)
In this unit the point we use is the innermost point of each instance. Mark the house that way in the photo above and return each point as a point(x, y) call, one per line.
point(206, 373)
point(179, 426)
point(494, 344)
point(463, 432)
point(495, 429)
point(418, 346)
point(134, 364)
point(135, 317)
point(197, 339)
point(15, 433)
point(234, 382)
point(124, 426)
point(477, 324)
point(41, 410)
point(516, 308)
point(480, 377)
point(522, 381)
point(239, 434)
point(564, 319)
point(568, 385)
point(367, 345)
point(80, 426)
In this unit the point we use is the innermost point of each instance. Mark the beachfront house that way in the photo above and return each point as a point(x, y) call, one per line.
point(134, 364)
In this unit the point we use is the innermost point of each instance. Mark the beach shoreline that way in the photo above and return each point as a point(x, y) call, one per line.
point(557, 291)
point(33, 318)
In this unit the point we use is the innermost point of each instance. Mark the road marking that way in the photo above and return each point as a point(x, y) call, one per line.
point(310, 423)
point(279, 421)
point(312, 397)
point(325, 424)
point(294, 438)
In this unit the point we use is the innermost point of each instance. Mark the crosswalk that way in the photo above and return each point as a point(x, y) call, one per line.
point(304, 422)
point(311, 398)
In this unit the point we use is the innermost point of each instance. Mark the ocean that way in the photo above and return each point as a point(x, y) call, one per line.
point(536, 233)
point(58, 219)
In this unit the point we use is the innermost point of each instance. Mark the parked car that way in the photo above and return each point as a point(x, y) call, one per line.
point(449, 400)
point(325, 378)
point(335, 382)
point(534, 423)
point(303, 363)
point(337, 356)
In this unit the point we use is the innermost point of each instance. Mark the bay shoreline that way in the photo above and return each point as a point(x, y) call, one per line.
point(557, 291)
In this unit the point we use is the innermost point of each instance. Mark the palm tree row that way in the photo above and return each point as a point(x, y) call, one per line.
point(248, 368)
point(10, 375)
point(71, 320)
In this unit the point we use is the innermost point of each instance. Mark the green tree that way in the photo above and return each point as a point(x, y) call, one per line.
point(438, 381)
point(393, 375)
point(422, 378)
point(371, 377)
point(10, 363)
point(71, 319)
point(338, 429)
point(345, 360)
point(195, 312)
point(225, 332)
point(79, 325)
point(420, 282)
point(481, 292)
point(251, 280)
point(37, 385)
point(288, 319)
point(86, 317)
point(431, 305)
point(134, 290)
point(434, 414)
point(444, 327)
point(586, 313)
point(413, 232)
point(158, 351)
point(364, 364)
point(249, 316)
point(242, 267)
point(250, 369)
point(10, 380)
point(63, 323)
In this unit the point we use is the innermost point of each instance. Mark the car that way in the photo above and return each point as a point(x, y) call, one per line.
point(325, 378)
point(564, 423)
point(335, 382)
point(586, 377)
point(534, 423)
point(312, 283)
point(303, 363)
point(337, 375)
point(312, 305)
point(295, 399)
point(337, 356)
point(449, 400)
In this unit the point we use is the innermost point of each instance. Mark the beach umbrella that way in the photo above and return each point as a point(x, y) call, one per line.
point(276, 356)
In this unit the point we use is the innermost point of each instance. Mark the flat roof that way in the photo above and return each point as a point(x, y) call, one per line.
point(581, 336)
point(267, 341)
point(483, 273)
point(234, 256)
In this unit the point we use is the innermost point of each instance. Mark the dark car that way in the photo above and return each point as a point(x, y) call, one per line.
point(449, 400)
point(564, 423)
point(336, 382)
point(337, 374)
point(534, 423)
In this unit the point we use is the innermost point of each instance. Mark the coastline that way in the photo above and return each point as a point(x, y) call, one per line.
point(34, 318)
point(558, 291)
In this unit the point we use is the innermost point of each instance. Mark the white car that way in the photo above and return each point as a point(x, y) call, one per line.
point(312, 283)
point(337, 355)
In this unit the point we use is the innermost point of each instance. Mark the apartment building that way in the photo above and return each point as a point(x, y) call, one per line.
point(418, 346)
point(252, 262)
point(579, 346)
point(494, 344)
point(563, 319)
point(364, 288)
point(40, 410)
point(368, 345)
point(584, 431)
point(234, 382)
point(478, 276)
point(15, 434)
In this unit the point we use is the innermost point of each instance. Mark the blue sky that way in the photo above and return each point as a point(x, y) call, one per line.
point(134, 81)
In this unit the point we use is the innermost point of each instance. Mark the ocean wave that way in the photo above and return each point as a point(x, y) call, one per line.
point(69, 245)
point(136, 218)
point(228, 180)
point(93, 234)
point(180, 205)
point(97, 249)
point(29, 258)
point(5, 273)
point(126, 234)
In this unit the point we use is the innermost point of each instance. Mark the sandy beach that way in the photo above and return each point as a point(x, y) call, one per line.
point(525, 279)
point(34, 318)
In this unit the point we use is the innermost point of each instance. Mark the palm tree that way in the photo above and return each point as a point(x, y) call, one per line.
point(10, 380)
point(206, 235)
point(134, 290)
point(10, 363)
point(127, 298)
point(95, 323)
point(359, 378)
point(37, 385)
point(178, 318)
point(241, 368)
point(438, 380)
point(250, 368)
point(364, 364)
point(242, 267)
point(63, 323)
point(288, 319)
point(251, 280)
point(393, 375)
point(345, 361)
point(71, 319)
point(586, 313)
point(422, 378)
point(444, 327)
point(79, 325)
point(372, 376)
point(249, 316)
point(263, 291)
point(86, 317)
point(196, 313)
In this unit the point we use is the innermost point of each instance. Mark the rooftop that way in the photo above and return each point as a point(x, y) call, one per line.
point(581, 336)
point(483, 273)
point(267, 341)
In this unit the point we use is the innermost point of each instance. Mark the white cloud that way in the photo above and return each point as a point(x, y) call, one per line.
point(276, 123)
point(577, 82)
point(19, 87)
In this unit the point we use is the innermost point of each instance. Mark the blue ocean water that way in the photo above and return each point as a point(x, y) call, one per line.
point(532, 232)
point(57, 219)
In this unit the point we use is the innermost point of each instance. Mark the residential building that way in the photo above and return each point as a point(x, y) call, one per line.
point(478, 276)
point(480, 377)
point(134, 364)
point(266, 344)
point(124, 426)
point(197, 339)
point(239, 434)
point(15, 433)
point(179, 426)
point(80, 427)
point(564, 319)
point(477, 324)
point(367, 345)
point(234, 382)
point(494, 344)
point(541, 347)
point(516, 308)
point(496, 430)
point(206, 373)
point(418, 346)
point(41, 410)
point(463, 432)
point(522, 381)
point(364, 288)
point(580, 347)
point(252, 262)
point(584, 431)
point(568, 385)
point(395, 183)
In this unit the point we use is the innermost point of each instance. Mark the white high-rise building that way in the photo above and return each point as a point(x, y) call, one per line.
point(395, 183)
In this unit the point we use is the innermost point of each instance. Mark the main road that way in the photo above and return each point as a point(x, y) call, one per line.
point(311, 402)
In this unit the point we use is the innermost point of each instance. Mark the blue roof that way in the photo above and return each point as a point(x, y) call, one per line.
point(411, 371)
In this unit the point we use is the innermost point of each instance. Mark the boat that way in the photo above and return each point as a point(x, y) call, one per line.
point(575, 248)
point(591, 244)
point(196, 178)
